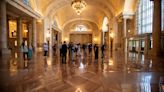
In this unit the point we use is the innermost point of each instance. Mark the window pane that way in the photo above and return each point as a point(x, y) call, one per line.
point(145, 17)
point(162, 15)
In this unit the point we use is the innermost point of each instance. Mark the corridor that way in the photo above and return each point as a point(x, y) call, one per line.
point(58, 45)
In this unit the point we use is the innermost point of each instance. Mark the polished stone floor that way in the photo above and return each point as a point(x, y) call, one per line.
point(117, 72)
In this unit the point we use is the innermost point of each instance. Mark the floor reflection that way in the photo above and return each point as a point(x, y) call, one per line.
point(116, 72)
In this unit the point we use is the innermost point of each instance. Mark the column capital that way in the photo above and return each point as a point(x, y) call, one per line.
point(127, 15)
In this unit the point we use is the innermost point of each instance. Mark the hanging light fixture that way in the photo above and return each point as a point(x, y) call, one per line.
point(78, 6)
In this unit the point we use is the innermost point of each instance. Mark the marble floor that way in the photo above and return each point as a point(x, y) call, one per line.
point(117, 72)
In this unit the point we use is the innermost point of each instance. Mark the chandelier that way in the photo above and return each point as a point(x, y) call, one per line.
point(78, 6)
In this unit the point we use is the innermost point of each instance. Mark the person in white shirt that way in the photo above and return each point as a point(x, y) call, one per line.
point(24, 49)
point(45, 48)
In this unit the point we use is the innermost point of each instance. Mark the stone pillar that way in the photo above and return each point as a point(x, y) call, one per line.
point(139, 46)
point(103, 40)
point(3, 31)
point(34, 34)
point(147, 44)
point(107, 40)
point(157, 28)
point(30, 34)
point(19, 31)
point(125, 36)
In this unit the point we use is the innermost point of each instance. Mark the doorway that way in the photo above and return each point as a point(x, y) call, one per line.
point(81, 38)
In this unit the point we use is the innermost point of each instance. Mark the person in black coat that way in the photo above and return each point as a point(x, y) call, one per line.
point(96, 50)
point(64, 52)
point(90, 48)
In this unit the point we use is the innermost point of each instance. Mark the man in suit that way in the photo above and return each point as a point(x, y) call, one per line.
point(64, 52)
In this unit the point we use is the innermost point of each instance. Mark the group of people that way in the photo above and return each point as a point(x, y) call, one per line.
point(74, 50)
point(27, 51)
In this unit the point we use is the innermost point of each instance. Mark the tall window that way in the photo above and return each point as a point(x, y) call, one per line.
point(145, 16)
point(27, 2)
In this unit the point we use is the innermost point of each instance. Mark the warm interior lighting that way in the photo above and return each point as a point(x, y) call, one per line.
point(129, 30)
point(81, 28)
point(111, 35)
point(16, 55)
point(105, 24)
point(25, 42)
point(15, 43)
point(66, 39)
point(12, 28)
point(95, 39)
point(78, 90)
point(39, 20)
point(110, 62)
point(48, 34)
point(26, 31)
point(78, 6)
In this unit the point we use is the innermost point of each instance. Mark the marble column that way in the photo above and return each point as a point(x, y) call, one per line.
point(103, 34)
point(147, 44)
point(157, 28)
point(30, 34)
point(125, 36)
point(19, 27)
point(3, 30)
point(34, 34)
point(139, 46)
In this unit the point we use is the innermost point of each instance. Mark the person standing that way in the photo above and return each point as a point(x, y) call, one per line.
point(30, 52)
point(90, 48)
point(24, 49)
point(70, 45)
point(54, 49)
point(102, 51)
point(45, 47)
point(79, 50)
point(96, 50)
point(73, 51)
point(84, 49)
point(64, 52)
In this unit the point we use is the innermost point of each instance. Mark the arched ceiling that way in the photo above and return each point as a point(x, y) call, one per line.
point(70, 15)
point(62, 11)
point(90, 25)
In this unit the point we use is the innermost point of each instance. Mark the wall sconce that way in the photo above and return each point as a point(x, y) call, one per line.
point(39, 20)
point(65, 39)
point(16, 55)
point(78, 90)
point(15, 43)
point(95, 39)
point(48, 34)
point(129, 31)
point(111, 35)
point(110, 62)
point(26, 31)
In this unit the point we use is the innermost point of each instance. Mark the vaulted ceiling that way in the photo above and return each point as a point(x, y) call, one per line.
point(62, 12)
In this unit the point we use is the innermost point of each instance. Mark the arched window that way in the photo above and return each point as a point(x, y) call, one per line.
point(145, 16)
point(81, 28)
